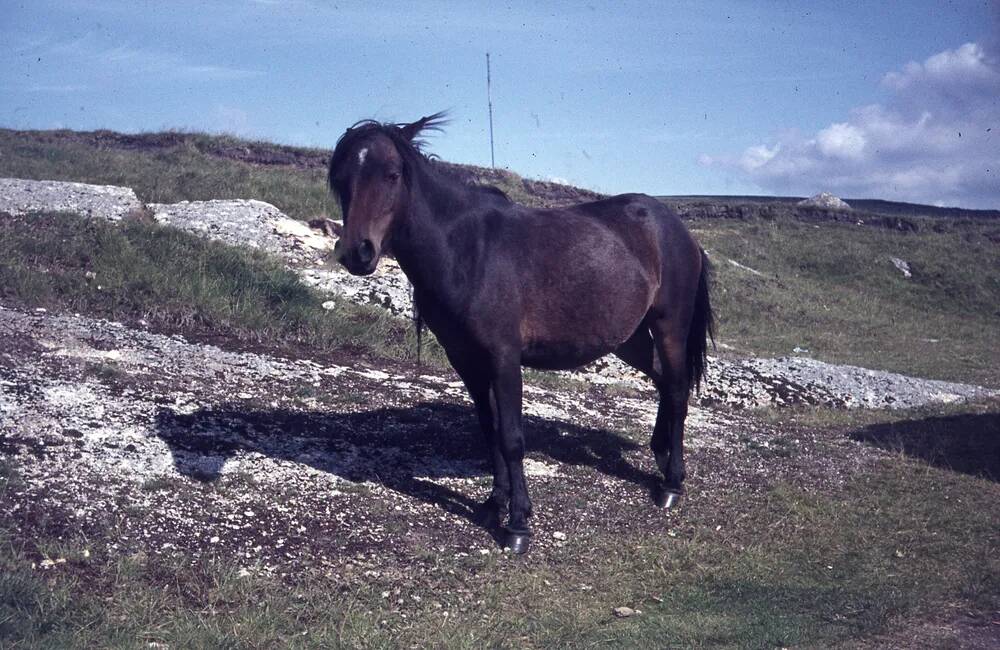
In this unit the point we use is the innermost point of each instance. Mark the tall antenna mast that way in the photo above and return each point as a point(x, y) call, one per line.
point(489, 100)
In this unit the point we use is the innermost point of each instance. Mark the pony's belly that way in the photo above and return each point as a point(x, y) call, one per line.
point(562, 356)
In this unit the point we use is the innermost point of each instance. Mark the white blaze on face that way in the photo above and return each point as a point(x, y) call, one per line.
point(361, 156)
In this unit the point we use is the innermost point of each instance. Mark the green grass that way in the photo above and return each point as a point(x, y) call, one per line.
point(832, 290)
point(805, 569)
point(176, 281)
point(182, 172)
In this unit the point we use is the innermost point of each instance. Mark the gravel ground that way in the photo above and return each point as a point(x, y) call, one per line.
point(173, 448)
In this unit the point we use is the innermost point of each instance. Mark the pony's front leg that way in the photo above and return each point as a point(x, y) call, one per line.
point(491, 512)
point(477, 381)
point(507, 391)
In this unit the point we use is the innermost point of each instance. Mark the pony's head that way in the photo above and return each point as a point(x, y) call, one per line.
point(371, 173)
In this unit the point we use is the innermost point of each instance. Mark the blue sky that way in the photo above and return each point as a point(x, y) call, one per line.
point(665, 98)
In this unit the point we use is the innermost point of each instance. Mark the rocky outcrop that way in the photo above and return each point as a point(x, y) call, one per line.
point(19, 196)
point(236, 222)
point(387, 287)
point(251, 223)
point(261, 225)
point(824, 200)
point(752, 383)
point(749, 383)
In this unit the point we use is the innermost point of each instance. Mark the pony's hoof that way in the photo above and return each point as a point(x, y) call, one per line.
point(517, 543)
point(667, 498)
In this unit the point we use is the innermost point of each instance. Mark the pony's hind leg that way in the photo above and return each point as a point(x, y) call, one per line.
point(670, 341)
point(642, 353)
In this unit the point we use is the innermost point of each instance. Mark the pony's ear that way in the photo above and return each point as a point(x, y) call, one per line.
point(428, 123)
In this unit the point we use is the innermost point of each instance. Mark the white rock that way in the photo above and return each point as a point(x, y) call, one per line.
point(237, 222)
point(903, 267)
point(625, 612)
point(18, 196)
point(825, 200)
point(303, 234)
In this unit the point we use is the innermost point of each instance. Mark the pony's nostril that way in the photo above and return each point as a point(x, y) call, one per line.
point(366, 251)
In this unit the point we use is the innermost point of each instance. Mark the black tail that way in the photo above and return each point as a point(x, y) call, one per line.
point(702, 327)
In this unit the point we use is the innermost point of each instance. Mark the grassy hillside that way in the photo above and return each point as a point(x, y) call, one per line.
point(822, 285)
point(833, 290)
point(175, 167)
point(889, 552)
point(870, 206)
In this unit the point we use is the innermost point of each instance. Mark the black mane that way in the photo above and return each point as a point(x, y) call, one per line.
point(406, 137)
point(410, 144)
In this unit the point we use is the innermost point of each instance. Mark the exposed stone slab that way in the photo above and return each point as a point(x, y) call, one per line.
point(240, 222)
point(751, 383)
point(20, 196)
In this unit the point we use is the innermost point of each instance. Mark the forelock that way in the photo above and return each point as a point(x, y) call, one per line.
point(365, 130)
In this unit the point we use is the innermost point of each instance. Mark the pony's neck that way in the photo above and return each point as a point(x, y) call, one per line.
point(420, 243)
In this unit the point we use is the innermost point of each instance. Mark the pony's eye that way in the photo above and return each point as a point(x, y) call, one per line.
point(392, 176)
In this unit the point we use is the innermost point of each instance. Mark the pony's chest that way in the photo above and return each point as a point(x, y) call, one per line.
point(442, 317)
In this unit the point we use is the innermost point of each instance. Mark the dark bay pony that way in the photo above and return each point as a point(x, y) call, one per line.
point(504, 286)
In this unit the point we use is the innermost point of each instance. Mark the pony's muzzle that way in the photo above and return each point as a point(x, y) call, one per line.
point(360, 260)
point(366, 251)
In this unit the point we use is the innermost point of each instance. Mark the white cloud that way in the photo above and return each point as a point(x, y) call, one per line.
point(936, 140)
point(967, 65)
point(841, 140)
point(756, 157)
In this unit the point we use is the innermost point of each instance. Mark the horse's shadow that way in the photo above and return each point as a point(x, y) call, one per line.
point(404, 449)
point(968, 443)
